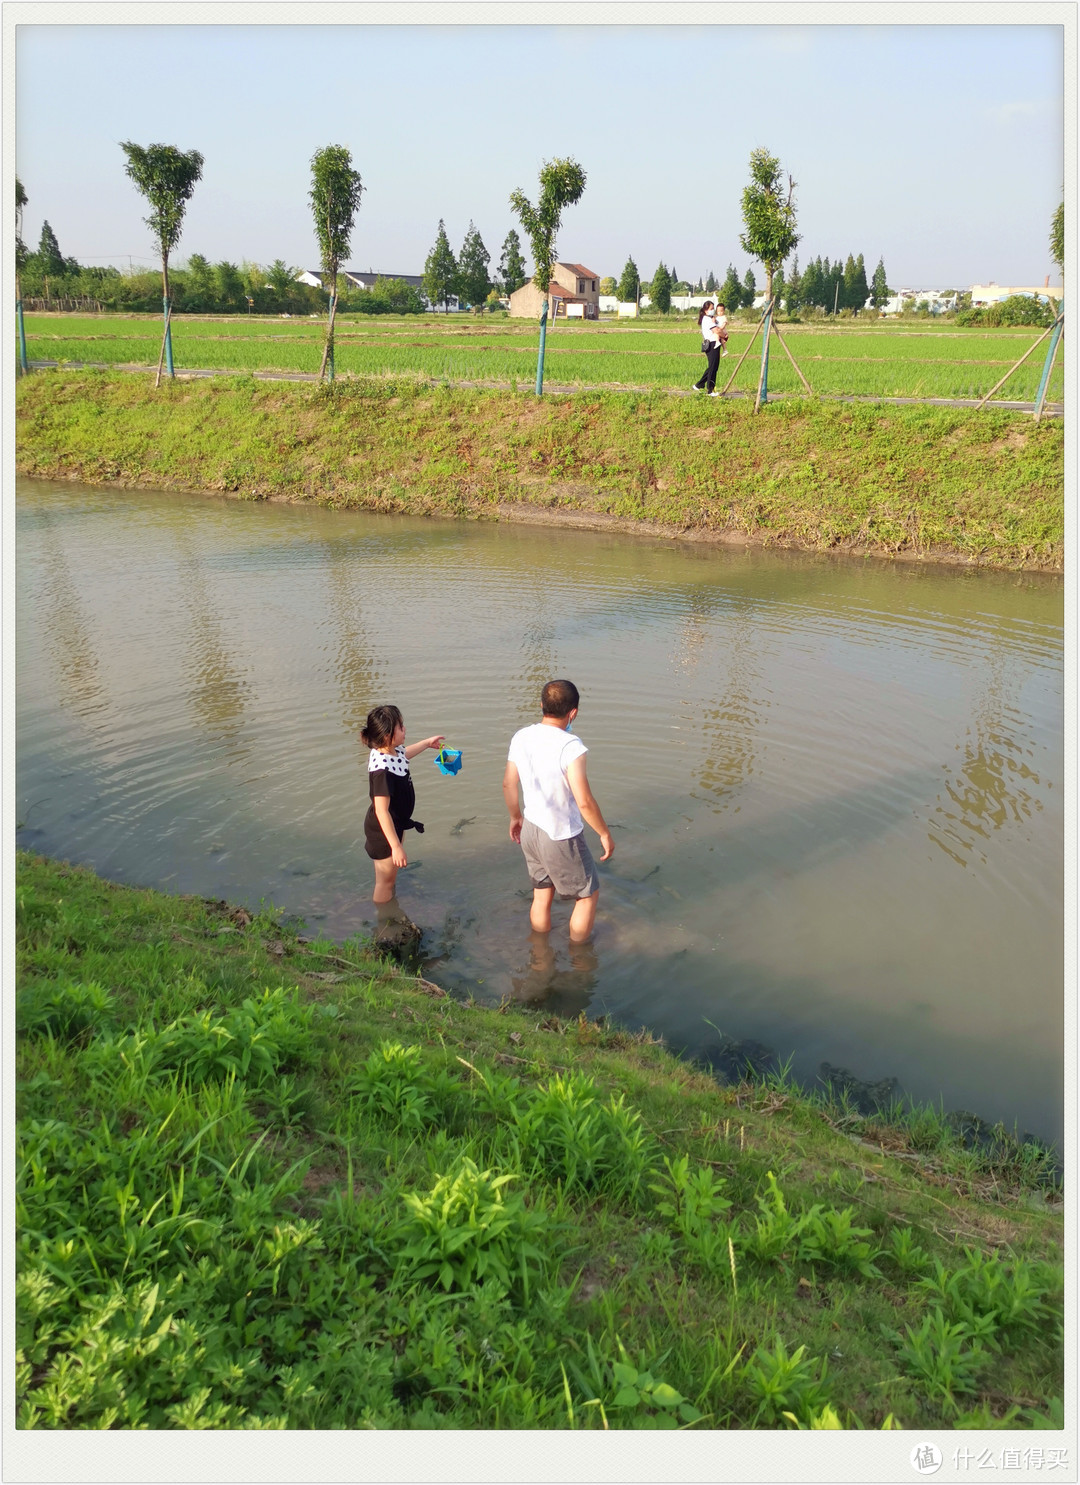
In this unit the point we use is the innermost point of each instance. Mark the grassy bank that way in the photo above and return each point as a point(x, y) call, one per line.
point(265, 1182)
point(948, 483)
point(878, 360)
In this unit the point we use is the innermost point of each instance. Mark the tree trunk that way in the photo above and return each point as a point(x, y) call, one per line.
point(328, 348)
point(166, 345)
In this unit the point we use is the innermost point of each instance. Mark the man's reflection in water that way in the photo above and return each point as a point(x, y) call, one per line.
point(562, 982)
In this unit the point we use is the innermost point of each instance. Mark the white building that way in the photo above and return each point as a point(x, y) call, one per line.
point(992, 293)
point(358, 279)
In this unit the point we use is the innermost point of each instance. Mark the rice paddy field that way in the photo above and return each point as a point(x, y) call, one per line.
point(876, 360)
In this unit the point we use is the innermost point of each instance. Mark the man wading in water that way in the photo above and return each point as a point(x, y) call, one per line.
point(547, 765)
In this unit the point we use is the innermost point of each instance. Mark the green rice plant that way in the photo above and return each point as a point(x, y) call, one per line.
point(778, 1385)
point(944, 1358)
point(571, 1137)
point(466, 1229)
point(64, 1009)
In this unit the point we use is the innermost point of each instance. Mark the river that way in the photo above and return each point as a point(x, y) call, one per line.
point(835, 785)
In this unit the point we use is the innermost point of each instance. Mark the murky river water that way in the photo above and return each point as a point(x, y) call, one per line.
point(834, 786)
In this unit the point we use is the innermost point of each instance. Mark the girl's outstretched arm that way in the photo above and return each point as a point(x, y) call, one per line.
point(429, 742)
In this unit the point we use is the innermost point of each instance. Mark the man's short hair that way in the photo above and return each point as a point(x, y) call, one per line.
point(559, 698)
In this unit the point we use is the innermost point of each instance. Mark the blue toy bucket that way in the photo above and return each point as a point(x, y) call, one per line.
point(448, 761)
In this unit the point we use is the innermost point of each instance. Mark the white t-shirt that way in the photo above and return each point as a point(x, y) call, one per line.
point(542, 754)
point(721, 322)
point(708, 325)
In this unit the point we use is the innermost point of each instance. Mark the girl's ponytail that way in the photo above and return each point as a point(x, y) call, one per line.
point(703, 310)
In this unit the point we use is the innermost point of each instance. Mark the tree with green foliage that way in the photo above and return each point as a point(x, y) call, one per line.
point(608, 285)
point(200, 290)
point(880, 293)
point(440, 270)
point(280, 277)
point(810, 288)
point(50, 258)
point(779, 286)
point(710, 286)
point(749, 289)
point(793, 297)
point(629, 283)
point(166, 177)
point(660, 289)
point(729, 292)
point(474, 282)
point(562, 183)
point(512, 274)
point(768, 215)
point(21, 255)
point(21, 199)
point(1057, 237)
point(229, 285)
point(860, 290)
point(336, 189)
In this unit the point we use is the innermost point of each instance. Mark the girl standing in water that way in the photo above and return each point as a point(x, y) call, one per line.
point(392, 795)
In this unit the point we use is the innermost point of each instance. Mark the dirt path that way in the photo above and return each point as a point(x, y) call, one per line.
point(1050, 410)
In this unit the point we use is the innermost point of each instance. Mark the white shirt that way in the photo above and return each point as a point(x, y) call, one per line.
point(542, 754)
point(720, 321)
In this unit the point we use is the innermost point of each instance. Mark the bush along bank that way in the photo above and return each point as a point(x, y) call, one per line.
point(266, 1182)
point(946, 483)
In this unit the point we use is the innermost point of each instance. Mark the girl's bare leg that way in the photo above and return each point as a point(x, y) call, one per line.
point(540, 912)
point(385, 880)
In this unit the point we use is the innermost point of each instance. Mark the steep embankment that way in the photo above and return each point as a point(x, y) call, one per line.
point(949, 484)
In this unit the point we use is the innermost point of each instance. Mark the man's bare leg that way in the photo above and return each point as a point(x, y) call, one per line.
point(583, 917)
point(540, 912)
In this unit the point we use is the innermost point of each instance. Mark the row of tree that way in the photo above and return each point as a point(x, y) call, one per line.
point(466, 277)
point(830, 287)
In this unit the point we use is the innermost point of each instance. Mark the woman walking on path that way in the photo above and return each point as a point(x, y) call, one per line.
point(392, 795)
point(710, 346)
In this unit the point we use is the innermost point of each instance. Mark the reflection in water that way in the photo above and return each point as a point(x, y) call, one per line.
point(992, 785)
point(216, 689)
point(564, 988)
point(731, 726)
point(67, 632)
point(359, 674)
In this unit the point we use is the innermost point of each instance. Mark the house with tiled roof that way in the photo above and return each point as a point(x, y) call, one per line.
point(574, 292)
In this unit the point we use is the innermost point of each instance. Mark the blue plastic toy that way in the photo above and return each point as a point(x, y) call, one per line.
point(448, 761)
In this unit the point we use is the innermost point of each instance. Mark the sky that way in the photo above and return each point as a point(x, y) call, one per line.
point(938, 148)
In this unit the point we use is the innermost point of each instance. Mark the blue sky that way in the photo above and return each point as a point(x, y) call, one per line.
point(938, 147)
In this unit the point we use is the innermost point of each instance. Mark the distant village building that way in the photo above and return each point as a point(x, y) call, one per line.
point(574, 292)
point(992, 293)
point(358, 279)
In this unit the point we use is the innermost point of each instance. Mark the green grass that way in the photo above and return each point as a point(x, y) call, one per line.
point(984, 487)
point(882, 361)
point(264, 1182)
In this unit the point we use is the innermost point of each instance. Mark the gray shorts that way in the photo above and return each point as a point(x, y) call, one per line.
point(566, 865)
